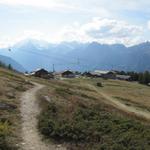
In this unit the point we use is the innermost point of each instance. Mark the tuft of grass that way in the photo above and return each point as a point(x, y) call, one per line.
point(131, 103)
point(63, 91)
point(4, 134)
point(88, 96)
point(21, 88)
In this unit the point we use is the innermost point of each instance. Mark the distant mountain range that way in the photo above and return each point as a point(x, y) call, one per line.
point(33, 54)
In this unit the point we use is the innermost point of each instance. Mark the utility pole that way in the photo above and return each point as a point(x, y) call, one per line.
point(53, 68)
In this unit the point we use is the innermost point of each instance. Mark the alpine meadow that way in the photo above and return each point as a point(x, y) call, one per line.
point(75, 75)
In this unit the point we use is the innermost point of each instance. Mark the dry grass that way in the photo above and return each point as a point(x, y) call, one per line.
point(72, 94)
point(134, 92)
point(69, 90)
point(11, 86)
point(137, 94)
point(69, 95)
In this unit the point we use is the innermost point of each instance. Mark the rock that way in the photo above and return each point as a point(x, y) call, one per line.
point(47, 98)
point(5, 106)
point(58, 147)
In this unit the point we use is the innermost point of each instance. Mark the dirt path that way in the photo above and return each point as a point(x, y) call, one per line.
point(130, 109)
point(29, 112)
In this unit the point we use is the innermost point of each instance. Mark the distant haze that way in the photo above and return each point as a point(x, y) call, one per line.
point(32, 54)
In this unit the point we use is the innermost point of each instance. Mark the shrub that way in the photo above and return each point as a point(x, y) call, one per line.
point(94, 126)
point(99, 84)
point(4, 133)
point(63, 91)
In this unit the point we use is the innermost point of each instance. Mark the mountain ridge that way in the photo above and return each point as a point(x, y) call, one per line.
point(15, 65)
point(32, 54)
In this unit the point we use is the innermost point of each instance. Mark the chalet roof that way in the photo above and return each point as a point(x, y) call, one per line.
point(101, 72)
point(68, 71)
point(95, 73)
point(125, 77)
point(40, 69)
point(37, 70)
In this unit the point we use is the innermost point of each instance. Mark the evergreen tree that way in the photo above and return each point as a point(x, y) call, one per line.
point(146, 77)
point(10, 67)
point(140, 78)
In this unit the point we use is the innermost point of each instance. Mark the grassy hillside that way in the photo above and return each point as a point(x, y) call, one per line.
point(76, 114)
point(11, 87)
point(129, 93)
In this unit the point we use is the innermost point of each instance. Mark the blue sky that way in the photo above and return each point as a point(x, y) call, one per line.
point(105, 21)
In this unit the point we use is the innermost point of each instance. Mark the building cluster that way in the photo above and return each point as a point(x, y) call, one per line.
point(107, 75)
point(42, 73)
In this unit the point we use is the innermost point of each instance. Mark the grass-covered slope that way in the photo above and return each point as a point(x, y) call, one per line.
point(11, 87)
point(76, 114)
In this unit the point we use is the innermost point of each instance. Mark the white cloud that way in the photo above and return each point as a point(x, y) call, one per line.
point(101, 30)
point(38, 3)
point(41, 4)
point(58, 5)
point(94, 6)
point(116, 5)
point(148, 24)
point(105, 31)
point(7, 41)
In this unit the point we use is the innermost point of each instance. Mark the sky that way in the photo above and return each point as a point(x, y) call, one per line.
point(104, 21)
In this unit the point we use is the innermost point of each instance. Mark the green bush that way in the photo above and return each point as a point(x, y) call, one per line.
point(4, 133)
point(94, 126)
point(99, 84)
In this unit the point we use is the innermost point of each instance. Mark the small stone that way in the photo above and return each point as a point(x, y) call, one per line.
point(23, 143)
